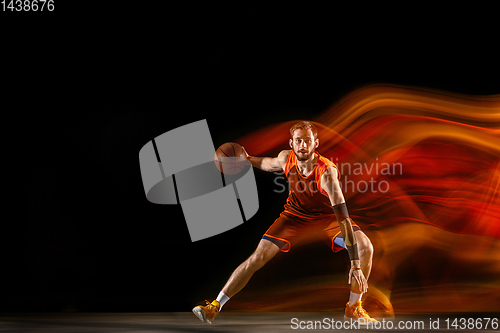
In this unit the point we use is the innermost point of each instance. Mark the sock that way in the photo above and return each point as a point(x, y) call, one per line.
point(222, 299)
point(353, 298)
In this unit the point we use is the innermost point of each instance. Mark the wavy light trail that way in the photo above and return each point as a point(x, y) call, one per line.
point(433, 211)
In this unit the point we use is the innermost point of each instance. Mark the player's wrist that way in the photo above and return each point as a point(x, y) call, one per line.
point(355, 264)
point(255, 161)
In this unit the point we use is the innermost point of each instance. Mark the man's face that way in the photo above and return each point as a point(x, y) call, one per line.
point(303, 144)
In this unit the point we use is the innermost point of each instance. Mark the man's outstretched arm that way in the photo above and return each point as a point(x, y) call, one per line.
point(269, 164)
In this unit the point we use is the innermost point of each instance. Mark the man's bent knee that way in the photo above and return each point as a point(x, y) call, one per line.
point(264, 252)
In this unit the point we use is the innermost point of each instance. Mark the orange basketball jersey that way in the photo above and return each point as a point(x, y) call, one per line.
point(306, 198)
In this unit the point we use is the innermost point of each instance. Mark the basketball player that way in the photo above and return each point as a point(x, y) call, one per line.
point(315, 204)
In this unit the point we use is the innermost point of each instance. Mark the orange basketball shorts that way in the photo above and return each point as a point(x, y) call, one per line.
point(288, 229)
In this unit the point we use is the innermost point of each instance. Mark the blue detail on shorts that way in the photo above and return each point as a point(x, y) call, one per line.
point(339, 240)
point(281, 244)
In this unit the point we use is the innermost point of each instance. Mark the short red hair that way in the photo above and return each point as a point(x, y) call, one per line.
point(304, 125)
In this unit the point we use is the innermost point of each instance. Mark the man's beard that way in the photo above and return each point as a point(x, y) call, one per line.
point(303, 157)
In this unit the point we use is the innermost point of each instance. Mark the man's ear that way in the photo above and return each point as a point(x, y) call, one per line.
point(316, 142)
point(290, 142)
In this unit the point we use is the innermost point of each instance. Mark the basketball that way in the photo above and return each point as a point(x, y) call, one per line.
point(230, 158)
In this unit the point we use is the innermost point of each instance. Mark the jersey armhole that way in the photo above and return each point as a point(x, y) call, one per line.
point(290, 161)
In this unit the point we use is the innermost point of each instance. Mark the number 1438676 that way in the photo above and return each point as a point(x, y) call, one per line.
point(27, 5)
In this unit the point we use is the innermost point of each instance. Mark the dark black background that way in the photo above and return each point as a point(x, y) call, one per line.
point(85, 88)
